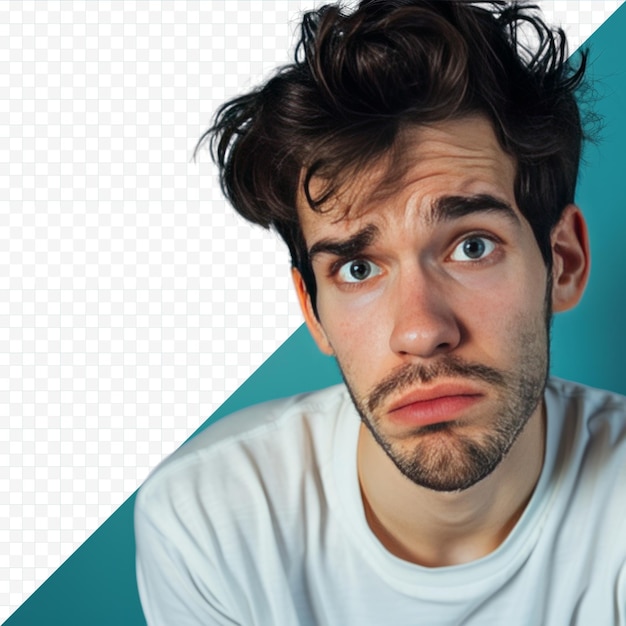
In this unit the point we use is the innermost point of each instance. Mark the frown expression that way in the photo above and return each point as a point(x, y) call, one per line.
point(434, 297)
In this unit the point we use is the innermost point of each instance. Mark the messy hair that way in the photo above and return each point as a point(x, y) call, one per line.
point(360, 78)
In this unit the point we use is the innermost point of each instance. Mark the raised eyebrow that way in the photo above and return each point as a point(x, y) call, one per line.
point(346, 248)
point(448, 208)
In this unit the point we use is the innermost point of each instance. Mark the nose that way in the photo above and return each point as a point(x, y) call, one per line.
point(424, 321)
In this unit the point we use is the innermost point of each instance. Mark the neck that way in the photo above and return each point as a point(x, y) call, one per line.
point(438, 529)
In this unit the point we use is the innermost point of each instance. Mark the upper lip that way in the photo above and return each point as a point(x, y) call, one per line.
point(442, 390)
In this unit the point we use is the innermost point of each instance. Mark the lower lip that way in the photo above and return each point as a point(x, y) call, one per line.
point(435, 411)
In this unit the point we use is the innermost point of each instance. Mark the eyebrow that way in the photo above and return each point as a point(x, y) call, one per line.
point(345, 248)
point(447, 208)
point(443, 209)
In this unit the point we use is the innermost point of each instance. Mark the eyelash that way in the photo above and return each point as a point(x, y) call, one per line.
point(496, 241)
point(335, 266)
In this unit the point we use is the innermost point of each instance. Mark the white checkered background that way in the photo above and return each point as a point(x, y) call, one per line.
point(133, 301)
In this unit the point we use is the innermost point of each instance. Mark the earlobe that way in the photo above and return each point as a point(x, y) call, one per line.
point(570, 259)
point(313, 324)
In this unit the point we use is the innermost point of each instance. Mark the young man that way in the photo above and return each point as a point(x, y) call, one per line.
point(420, 162)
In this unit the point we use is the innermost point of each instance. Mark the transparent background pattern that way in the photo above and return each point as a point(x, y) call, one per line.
point(133, 301)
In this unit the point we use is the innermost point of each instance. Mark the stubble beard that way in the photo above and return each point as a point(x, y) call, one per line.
point(441, 457)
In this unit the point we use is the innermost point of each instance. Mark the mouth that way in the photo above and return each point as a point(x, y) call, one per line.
point(442, 403)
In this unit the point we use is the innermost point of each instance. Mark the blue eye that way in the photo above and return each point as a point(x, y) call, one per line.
point(473, 249)
point(358, 271)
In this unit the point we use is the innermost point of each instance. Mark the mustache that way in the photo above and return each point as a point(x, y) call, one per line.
point(414, 373)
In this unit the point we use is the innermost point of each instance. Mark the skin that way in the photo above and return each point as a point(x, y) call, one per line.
point(437, 286)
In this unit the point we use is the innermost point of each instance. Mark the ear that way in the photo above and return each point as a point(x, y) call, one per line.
point(570, 259)
point(313, 324)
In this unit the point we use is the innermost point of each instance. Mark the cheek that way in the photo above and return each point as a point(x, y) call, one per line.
point(504, 325)
point(357, 327)
point(351, 314)
point(499, 297)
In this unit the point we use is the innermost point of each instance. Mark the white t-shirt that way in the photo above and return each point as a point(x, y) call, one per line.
point(259, 521)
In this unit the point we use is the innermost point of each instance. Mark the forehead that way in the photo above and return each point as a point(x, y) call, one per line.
point(453, 158)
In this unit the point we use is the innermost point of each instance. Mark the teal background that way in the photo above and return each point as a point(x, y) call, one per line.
point(96, 585)
point(589, 342)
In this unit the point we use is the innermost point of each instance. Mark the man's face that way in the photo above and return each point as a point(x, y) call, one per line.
point(434, 298)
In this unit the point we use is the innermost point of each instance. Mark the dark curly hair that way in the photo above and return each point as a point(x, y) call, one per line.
point(358, 79)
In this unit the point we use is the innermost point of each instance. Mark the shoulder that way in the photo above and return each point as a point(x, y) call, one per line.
point(284, 415)
point(586, 454)
point(247, 450)
point(587, 409)
point(587, 445)
point(239, 489)
point(220, 521)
